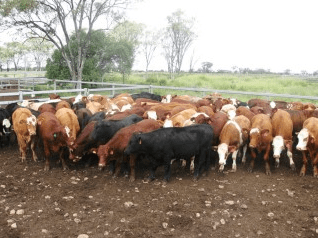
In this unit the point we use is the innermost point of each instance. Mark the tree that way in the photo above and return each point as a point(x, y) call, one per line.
point(192, 62)
point(206, 67)
point(16, 51)
point(126, 41)
point(40, 50)
point(181, 35)
point(149, 45)
point(55, 20)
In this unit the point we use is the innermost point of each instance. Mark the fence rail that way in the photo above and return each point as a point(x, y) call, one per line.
point(113, 88)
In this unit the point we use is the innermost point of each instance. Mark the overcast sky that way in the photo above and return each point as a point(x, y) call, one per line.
point(271, 34)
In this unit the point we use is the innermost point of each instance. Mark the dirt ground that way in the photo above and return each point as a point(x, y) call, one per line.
point(86, 202)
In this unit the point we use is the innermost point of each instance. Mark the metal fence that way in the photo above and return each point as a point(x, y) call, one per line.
point(113, 88)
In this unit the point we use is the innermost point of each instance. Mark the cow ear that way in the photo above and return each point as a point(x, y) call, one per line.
point(312, 139)
point(265, 133)
point(139, 141)
point(111, 152)
point(260, 110)
point(274, 110)
point(232, 148)
point(55, 135)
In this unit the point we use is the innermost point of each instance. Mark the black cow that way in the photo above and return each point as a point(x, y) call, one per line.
point(146, 95)
point(83, 116)
point(102, 132)
point(163, 145)
point(5, 127)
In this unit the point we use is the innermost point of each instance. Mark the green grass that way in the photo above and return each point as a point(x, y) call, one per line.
point(265, 83)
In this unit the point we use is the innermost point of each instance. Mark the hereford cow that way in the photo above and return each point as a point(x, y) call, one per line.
point(260, 139)
point(114, 148)
point(308, 140)
point(245, 111)
point(163, 145)
point(54, 136)
point(282, 126)
point(234, 135)
point(179, 119)
point(24, 125)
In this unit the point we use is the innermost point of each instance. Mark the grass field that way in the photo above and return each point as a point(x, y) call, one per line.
point(265, 83)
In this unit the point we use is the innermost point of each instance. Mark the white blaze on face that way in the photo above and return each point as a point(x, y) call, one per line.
point(302, 139)
point(67, 130)
point(272, 104)
point(167, 99)
point(222, 151)
point(278, 146)
point(254, 130)
point(6, 123)
point(167, 123)
point(152, 115)
point(78, 98)
point(234, 101)
point(199, 113)
point(25, 103)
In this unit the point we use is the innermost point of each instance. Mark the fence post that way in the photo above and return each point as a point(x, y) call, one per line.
point(150, 88)
point(113, 91)
point(19, 84)
point(54, 85)
point(20, 96)
point(86, 92)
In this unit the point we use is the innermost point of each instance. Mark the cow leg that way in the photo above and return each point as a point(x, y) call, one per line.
point(32, 145)
point(198, 162)
point(167, 173)
point(64, 165)
point(266, 159)
point(152, 176)
point(23, 147)
point(251, 167)
point(244, 154)
point(234, 155)
point(290, 156)
point(132, 162)
point(304, 167)
point(314, 165)
point(47, 156)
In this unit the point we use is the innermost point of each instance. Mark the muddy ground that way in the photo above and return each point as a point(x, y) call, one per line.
point(88, 202)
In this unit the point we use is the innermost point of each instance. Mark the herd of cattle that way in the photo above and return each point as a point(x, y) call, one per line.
point(160, 129)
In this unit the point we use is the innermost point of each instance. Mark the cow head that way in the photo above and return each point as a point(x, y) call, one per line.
point(278, 146)
point(167, 123)
point(256, 136)
point(224, 150)
point(304, 138)
point(31, 125)
point(6, 125)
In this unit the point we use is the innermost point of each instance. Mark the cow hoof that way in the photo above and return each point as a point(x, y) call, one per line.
point(268, 173)
point(293, 167)
point(101, 168)
point(276, 165)
point(195, 179)
point(46, 168)
point(132, 180)
point(302, 174)
point(148, 180)
point(164, 182)
point(315, 175)
point(66, 168)
point(249, 169)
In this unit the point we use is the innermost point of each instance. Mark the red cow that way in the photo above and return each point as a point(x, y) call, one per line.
point(114, 149)
point(24, 125)
point(260, 139)
point(62, 104)
point(217, 121)
point(307, 140)
point(245, 112)
point(282, 125)
point(233, 136)
point(46, 107)
point(54, 137)
point(298, 118)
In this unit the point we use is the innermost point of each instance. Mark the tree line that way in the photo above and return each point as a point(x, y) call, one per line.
point(91, 37)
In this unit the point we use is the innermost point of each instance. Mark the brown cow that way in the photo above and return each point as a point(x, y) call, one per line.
point(62, 104)
point(217, 121)
point(207, 110)
point(46, 107)
point(54, 137)
point(24, 125)
point(260, 139)
point(282, 126)
point(245, 112)
point(114, 148)
point(234, 135)
point(68, 119)
point(308, 140)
